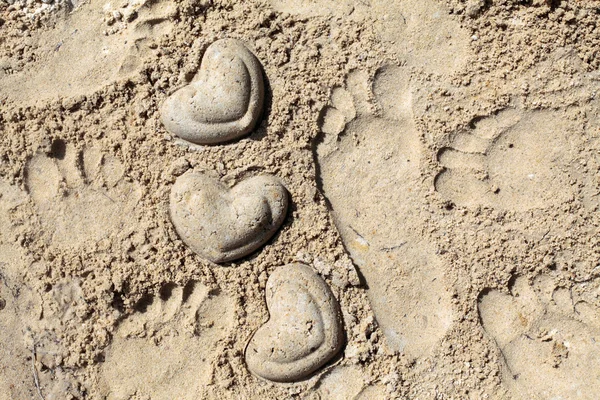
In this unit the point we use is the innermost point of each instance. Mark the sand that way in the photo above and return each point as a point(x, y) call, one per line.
point(410, 209)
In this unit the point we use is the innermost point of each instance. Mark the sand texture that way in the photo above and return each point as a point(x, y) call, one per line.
point(304, 199)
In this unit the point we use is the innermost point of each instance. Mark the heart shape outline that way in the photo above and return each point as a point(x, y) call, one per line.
point(224, 101)
point(222, 224)
point(304, 330)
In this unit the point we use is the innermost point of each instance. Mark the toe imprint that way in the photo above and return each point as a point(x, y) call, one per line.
point(547, 337)
point(304, 330)
point(67, 183)
point(222, 224)
point(224, 102)
point(509, 160)
point(185, 324)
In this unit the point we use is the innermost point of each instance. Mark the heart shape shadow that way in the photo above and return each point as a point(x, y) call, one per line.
point(304, 330)
point(225, 100)
point(223, 224)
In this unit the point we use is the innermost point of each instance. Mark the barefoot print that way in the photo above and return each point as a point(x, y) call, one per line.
point(165, 349)
point(17, 304)
point(549, 337)
point(511, 160)
point(80, 195)
point(30, 352)
point(154, 20)
point(368, 169)
point(116, 48)
point(422, 33)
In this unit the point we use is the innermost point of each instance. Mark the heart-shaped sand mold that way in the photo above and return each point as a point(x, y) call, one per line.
point(304, 330)
point(223, 224)
point(225, 100)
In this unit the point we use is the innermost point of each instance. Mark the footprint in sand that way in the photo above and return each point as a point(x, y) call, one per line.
point(422, 33)
point(549, 337)
point(29, 345)
point(225, 100)
point(80, 195)
point(165, 349)
point(512, 160)
point(28, 324)
point(17, 304)
point(61, 66)
point(368, 169)
point(304, 330)
point(223, 224)
point(64, 305)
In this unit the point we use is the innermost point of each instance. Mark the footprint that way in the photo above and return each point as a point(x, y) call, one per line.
point(304, 330)
point(225, 100)
point(63, 70)
point(27, 348)
point(422, 33)
point(30, 348)
point(18, 303)
point(512, 160)
point(223, 224)
point(80, 195)
point(549, 338)
point(368, 169)
point(154, 20)
point(165, 349)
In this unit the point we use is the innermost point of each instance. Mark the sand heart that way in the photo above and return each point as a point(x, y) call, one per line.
point(304, 330)
point(223, 224)
point(224, 101)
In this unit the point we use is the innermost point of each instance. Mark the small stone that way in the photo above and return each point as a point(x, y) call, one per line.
point(474, 8)
point(129, 15)
point(179, 166)
point(570, 16)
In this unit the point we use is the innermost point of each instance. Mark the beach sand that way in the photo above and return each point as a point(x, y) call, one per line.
point(379, 199)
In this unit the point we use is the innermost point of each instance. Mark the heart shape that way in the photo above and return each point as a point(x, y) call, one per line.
point(223, 224)
point(225, 100)
point(304, 330)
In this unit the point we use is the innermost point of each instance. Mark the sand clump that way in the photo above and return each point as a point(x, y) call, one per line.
point(441, 160)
